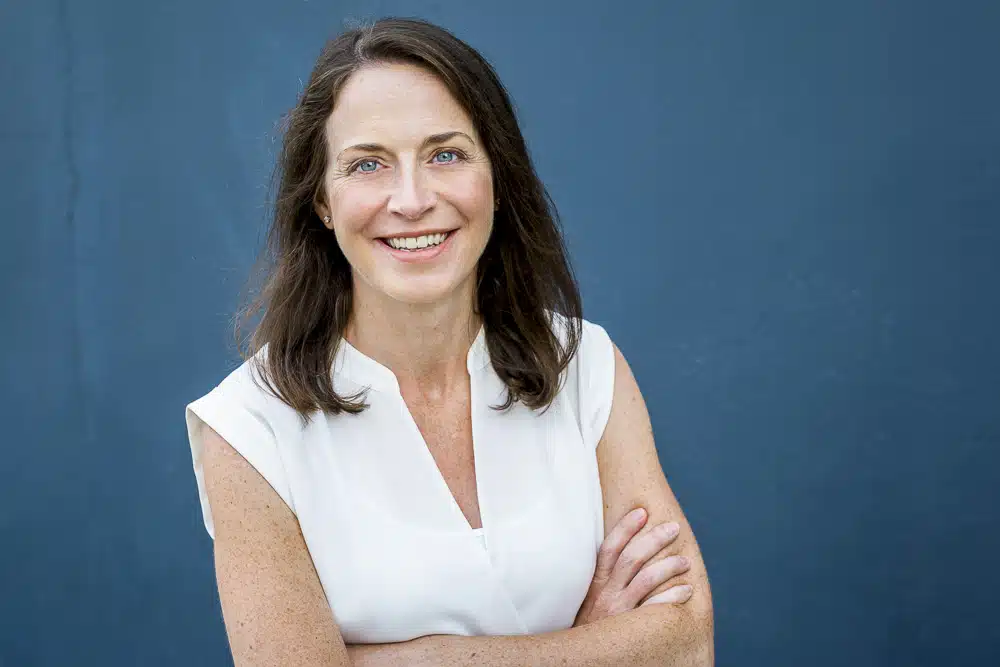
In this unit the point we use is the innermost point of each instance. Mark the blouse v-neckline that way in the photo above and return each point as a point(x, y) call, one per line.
point(362, 369)
point(367, 372)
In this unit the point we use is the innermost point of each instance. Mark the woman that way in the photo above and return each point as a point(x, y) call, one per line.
point(417, 461)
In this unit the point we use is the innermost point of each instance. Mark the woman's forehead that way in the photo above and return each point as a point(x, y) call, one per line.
point(394, 103)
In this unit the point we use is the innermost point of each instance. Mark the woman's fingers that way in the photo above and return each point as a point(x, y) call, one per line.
point(675, 595)
point(654, 574)
point(615, 542)
point(638, 551)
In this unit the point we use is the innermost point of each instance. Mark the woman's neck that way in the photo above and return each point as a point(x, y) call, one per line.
point(426, 346)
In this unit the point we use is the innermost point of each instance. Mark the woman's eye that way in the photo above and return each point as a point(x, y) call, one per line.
point(449, 156)
point(366, 166)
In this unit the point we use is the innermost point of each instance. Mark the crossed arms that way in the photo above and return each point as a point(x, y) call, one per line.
point(276, 612)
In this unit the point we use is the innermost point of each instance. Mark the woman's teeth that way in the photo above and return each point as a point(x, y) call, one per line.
point(417, 242)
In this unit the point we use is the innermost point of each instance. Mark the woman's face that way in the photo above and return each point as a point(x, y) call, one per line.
point(409, 185)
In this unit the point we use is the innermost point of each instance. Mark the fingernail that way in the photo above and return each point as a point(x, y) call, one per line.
point(638, 514)
point(670, 529)
point(684, 591)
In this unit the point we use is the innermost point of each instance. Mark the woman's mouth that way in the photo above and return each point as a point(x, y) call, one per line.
point(417, 248)
point(416, 243)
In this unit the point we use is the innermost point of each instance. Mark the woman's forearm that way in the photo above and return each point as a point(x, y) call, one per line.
point(655, 635)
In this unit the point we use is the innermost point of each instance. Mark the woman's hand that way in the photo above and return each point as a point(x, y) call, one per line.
point(621, 582)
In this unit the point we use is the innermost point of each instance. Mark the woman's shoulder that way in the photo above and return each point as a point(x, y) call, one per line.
point(247, 386)
point(588, 384)
point(251, 420)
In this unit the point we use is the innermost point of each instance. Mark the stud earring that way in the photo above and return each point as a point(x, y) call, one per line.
point(326, 219)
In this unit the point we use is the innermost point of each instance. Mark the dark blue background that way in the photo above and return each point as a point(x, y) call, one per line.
point(786, 213)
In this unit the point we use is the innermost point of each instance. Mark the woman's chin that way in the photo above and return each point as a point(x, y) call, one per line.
point(422, 291)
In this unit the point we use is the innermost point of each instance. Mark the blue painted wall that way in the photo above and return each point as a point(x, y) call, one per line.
point(786, 213)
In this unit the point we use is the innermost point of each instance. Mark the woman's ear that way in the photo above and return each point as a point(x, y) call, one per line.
point(324, 213)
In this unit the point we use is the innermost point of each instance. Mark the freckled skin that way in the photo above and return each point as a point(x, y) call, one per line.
point(446, 424)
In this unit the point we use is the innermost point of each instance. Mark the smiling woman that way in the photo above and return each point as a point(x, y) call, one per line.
point(429, 457)
point(408, 166)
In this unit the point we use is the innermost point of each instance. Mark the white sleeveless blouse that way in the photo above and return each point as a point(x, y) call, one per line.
point(395, 554)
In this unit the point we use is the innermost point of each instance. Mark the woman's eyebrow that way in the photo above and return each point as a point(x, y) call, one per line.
point(445, 136)
point(439, 138)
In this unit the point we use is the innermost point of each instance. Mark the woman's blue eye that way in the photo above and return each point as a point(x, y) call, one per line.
point(451, 153)
point(363, 168)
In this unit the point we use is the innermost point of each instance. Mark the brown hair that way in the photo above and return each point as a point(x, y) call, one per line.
point(524, 275)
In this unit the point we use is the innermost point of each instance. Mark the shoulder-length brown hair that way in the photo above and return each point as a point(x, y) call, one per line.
point(524, 275)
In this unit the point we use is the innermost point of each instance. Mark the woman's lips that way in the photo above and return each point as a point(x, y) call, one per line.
point(417, 255)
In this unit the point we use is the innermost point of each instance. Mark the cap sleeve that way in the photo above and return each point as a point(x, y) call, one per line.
point(596, 381)
point(242, 413)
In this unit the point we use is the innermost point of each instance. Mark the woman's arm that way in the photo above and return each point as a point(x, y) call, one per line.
point(631, 476)
point(654, 635)
point(273, 604)
point(643, 637)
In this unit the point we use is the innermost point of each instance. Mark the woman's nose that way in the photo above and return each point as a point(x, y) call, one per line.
point(410, 198)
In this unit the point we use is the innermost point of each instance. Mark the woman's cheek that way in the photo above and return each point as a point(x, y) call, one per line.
point(357, 208)
point(473, 192)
